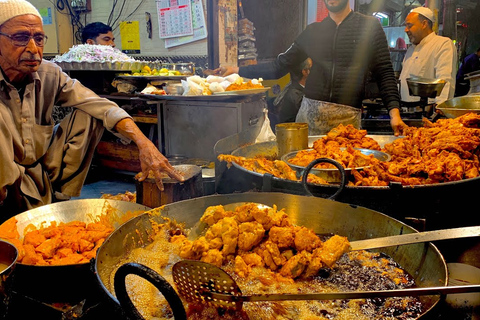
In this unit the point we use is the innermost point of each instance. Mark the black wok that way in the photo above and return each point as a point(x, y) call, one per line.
point(423, 261)
point(433, 203)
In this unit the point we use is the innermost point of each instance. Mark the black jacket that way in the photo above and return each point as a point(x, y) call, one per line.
point(343, 58)
point(288, 102)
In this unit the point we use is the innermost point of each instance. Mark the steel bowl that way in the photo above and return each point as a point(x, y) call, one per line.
point(459, 106)
point(333, 175)
point(424, 87)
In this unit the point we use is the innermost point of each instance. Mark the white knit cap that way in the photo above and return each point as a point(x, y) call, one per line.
point(13, 8)
point(427, 13)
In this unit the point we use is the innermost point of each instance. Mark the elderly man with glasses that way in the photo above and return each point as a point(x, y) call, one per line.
point(40, 164)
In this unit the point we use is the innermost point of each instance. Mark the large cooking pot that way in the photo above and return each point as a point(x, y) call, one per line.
point(433, 203)
point(69, 283)
point(423, 261)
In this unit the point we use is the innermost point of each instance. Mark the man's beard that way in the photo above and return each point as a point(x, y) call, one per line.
point(342, 4)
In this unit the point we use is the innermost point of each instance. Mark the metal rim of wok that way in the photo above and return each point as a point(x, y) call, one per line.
point(423, 261)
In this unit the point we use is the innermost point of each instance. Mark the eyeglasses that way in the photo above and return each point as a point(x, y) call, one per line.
point(22, 39)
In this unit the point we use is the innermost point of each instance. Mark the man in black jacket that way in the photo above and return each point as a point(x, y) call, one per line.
point(345, 48)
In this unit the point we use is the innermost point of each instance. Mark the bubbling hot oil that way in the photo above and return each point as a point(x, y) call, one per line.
point(3, 267)
point(358, 270)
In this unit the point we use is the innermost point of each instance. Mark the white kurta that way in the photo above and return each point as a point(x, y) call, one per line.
point(435, 57)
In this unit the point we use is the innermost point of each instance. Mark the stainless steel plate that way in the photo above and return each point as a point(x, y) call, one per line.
point(424, 87)
point(333, 175)
point(243, 92)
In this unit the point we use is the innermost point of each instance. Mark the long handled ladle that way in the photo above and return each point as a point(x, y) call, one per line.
point(202, 282)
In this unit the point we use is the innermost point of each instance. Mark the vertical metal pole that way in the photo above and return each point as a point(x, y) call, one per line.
point(434, 5)
point(449, 19)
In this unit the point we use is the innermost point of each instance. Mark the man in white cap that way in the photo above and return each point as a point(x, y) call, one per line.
point(40, 165)
point(430, 56)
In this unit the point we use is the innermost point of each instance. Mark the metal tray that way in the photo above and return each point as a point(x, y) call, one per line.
point(242, 92)
point(333, 175)
point(152, 78)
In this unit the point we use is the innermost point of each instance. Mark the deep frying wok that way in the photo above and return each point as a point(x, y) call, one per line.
point(434, 202)
point(70, 283)
point(423, 261)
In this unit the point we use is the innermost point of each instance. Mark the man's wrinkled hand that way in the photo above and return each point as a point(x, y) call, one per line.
point(152, 161)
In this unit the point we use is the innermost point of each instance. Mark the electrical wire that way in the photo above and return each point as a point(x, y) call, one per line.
point(74, 16)
point(135, 10)
point(119, 14)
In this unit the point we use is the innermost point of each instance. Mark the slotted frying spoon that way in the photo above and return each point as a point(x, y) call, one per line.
point(202, 282)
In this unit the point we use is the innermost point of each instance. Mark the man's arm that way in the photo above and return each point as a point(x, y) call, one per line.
point(383, 72)
point(269, 70)
point(150, 158)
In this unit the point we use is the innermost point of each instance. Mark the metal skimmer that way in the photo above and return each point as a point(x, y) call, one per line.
point(204, 283)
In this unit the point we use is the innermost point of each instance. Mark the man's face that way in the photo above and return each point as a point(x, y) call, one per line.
point(19, 60)
point(415, 28)
point(105, 39)
point(336, 5)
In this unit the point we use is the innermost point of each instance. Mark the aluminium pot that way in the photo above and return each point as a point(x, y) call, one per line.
point(423, 261)
point(67, 283)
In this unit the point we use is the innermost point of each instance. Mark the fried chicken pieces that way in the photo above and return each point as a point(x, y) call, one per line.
point(277, 168)
point(447, 150)
point(62, 244)
point(253, 237)
point(444, 151)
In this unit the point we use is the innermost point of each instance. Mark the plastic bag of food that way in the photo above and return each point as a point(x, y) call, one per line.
point(233, 78)
point(212, 79)
point(216, 87)
point(266, 133)
point(190, 88)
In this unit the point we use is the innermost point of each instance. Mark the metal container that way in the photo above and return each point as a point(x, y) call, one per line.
point(291, 137)
point(68, 283)
point(425, 87)
point(423, 261)
point(8, 259)
point(149, 195)
point(333, 175)
point(459, 106)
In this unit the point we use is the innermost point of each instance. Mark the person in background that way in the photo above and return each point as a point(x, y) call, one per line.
point(287, 103)
point(345, 48)
point(98, 33)
point(431, 56)
point(41, 163)
point(471, 63)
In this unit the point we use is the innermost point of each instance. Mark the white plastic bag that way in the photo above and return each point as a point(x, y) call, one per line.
point(266, 133)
